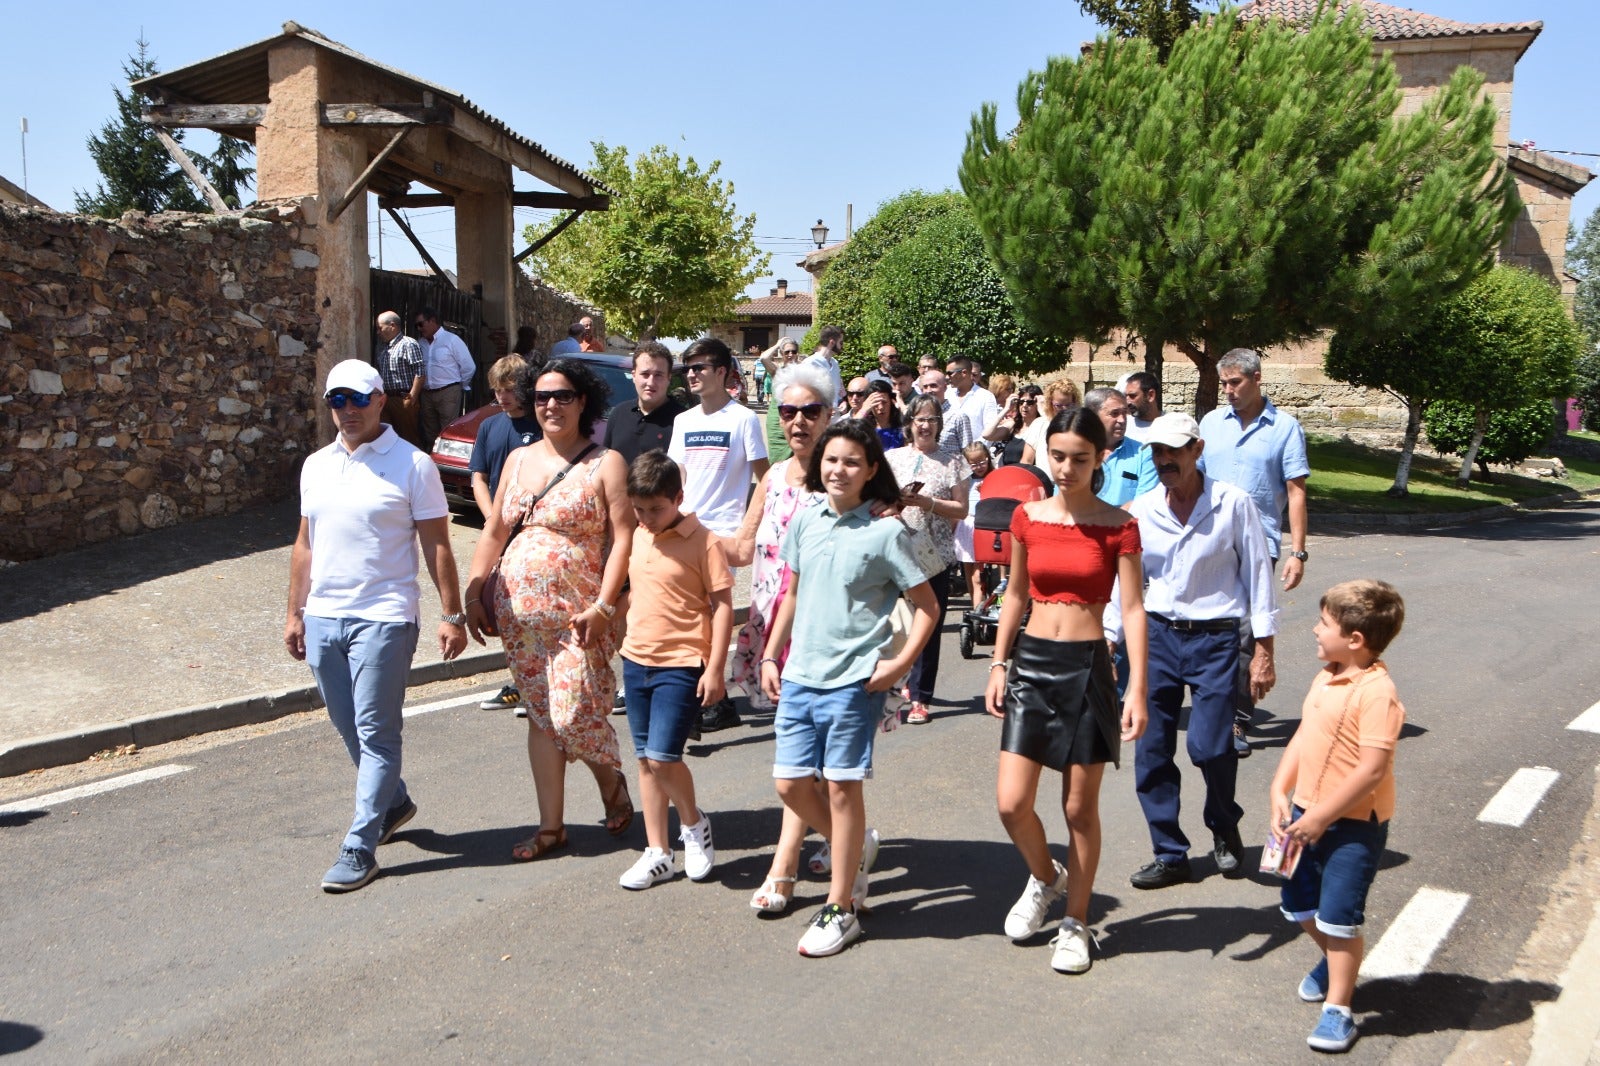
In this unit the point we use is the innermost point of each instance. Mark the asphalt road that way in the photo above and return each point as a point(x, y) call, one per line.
point(180, 918)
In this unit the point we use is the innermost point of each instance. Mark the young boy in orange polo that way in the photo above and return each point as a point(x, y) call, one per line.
point(1333, 794)
point(679, 620)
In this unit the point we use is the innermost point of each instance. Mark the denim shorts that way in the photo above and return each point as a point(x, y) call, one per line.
point(1334, 874)
point(662, 708)
point(826, 731)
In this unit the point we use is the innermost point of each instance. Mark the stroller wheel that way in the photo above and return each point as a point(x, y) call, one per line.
point(966, 640)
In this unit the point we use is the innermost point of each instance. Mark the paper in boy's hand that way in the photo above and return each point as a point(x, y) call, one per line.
point(1280, 855)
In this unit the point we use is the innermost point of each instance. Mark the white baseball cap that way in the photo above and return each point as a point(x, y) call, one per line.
point(1173, 429)
point(357, 375)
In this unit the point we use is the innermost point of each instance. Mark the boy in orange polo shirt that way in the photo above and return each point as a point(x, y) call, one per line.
point(679, 620)
point(1333, 793)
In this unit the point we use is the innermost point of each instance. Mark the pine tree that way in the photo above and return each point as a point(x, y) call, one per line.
point(226, 169)
point(1256, 189)
point(136, 172)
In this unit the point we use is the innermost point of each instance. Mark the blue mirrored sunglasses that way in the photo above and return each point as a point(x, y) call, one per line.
point(337, 400)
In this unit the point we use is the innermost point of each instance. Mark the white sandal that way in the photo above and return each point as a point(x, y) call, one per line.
point(768, 899)
point(821, 861)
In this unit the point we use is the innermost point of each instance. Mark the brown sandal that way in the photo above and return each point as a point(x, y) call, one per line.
point(619, 813)
point(541, 843)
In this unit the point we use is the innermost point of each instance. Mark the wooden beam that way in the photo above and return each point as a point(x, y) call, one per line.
point(204, 115)
point(553, 200)
point(500, 145)
point(179, 156)
point(336, 208)
point(412, 237)
point(547, 238)
point(386, 114)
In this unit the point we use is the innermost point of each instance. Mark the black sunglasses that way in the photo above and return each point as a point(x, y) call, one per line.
point(811, 411)
point(562, 397)
point(859, 395)
point(337, 400)
point(701, 368)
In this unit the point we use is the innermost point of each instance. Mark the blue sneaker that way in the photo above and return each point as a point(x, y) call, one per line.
point(395, 817)
point(1314, 986)
point(353, 870)
point(1335, 1031)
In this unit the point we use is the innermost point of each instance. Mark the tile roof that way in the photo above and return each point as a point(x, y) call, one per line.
point(1385, 21)
point(794, 305)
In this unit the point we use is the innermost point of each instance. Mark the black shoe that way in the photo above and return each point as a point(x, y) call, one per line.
point(396, 817)
point(1228, 850)
point(721, 716)
point(1161, 873)
point(619, 705)
point(1241, 746)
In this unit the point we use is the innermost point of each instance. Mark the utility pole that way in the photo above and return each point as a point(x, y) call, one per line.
point(24, 159)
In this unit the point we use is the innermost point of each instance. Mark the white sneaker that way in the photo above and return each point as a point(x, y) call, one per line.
point(821, 861)
point(1029, 915)
point(1072, 948)
point(653, 867)
point(869, 855)
point(830, 932)
point(698, 854)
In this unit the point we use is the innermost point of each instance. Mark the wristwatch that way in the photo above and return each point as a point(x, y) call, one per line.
point(1302, 556)
point(459, 619)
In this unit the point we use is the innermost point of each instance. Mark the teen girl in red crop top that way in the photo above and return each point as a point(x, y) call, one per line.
point(1057, 694)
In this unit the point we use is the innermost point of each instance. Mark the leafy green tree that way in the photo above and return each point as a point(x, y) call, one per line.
point(936, 293)
point(1583, 262)
point(136, 172)
point(842, 290)
point(1508, 437)
point(670, 256)
point(1256, 189)
point(1161, 22)
point(1472, 368)
point(1508, 342)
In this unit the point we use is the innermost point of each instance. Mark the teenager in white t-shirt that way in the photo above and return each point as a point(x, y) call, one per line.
point(721, 445)
point(830, 342)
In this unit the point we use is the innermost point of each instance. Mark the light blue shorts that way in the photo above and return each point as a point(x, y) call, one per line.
point(826, 732)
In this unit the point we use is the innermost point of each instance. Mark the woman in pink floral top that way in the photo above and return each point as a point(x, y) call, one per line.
point(803, 398)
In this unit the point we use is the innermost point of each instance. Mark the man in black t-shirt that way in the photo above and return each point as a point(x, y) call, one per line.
point(644, 424)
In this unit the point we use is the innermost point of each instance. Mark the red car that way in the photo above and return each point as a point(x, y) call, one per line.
point(452, 452)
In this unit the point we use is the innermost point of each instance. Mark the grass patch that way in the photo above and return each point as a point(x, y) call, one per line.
point(1353, 478)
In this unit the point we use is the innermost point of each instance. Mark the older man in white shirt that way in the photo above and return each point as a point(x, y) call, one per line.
point(450, 371)
point(1208, 574)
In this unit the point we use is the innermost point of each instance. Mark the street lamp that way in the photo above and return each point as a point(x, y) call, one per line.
point(819, 233)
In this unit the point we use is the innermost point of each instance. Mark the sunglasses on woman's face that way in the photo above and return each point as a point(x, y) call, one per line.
point(562, 397)
point(810, 412)
point(337, 400)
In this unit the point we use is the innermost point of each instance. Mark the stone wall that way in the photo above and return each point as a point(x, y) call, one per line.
point(155, 369)
point(550, 311)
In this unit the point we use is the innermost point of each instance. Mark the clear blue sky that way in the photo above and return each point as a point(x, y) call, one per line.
point(808, 106)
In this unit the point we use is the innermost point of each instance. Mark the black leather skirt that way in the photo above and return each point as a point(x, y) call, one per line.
point(1061, 703)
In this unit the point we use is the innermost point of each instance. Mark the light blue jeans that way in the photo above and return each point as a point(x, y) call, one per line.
point(361, 669)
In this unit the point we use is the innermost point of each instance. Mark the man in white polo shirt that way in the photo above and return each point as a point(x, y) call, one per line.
point(365, 501)
point(721, 446)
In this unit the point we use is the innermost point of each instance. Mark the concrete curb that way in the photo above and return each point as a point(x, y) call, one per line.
point(59, 749)
point(1367, 523)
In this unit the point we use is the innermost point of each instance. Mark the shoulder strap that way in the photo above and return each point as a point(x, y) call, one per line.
point(552, 483)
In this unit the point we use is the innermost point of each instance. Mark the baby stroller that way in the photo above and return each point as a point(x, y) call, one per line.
point(1003, 492)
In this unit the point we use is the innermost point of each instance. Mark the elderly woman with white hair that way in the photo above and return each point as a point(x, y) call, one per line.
point(803, 399)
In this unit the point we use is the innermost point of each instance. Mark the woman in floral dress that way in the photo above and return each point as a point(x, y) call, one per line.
point(802, 397)
point(939, 501)
point(561, 576)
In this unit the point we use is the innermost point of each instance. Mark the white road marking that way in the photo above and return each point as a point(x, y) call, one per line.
point(1588, 721)
point(454, 701)
point(110, 784)
point(1416, 933)
point(1519, 796)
